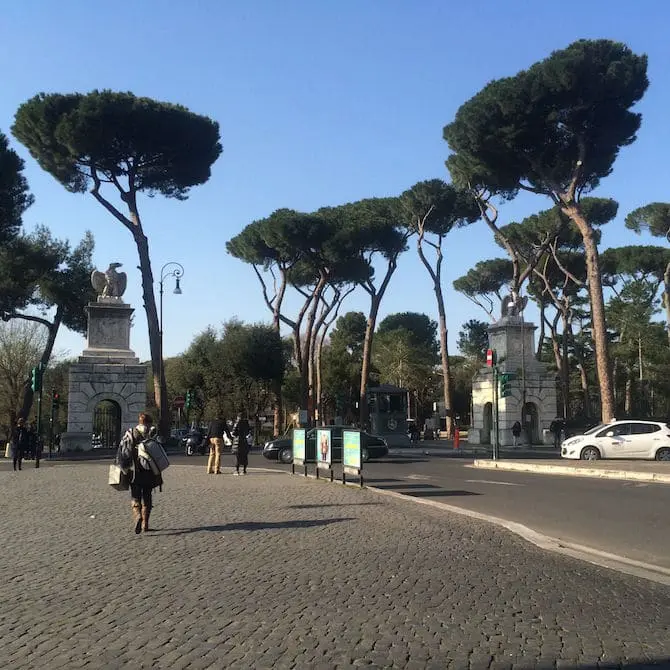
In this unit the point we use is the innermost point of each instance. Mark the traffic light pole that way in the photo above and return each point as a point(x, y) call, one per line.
point(496, 438)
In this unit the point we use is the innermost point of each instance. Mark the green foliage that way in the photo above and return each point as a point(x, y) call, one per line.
point(402, 360)
point(231, 371)
point(14, 195)
point(533, 128)
point(421, 328)
point(655, 218)
point(342, 360)
point(485, 281)
point(473, 341)
point(437, 207)
point(349, 333)
point(644, 263)
point(159, 147)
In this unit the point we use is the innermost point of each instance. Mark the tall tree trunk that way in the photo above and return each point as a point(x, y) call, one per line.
point(666, 297)
point(598, 324)
point(584, 381)
point(308, 358)
point(628, 397)
point(52, 329)
point(565, 369)
point(367, 354)
point(160, 388)
point(436, 276)
point(375, 301)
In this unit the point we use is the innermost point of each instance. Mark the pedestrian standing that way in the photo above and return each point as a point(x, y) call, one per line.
point(20, 442)
point(143, 480)
point(556, 428)
point(241, 431)
point(516, 432)
point(215, 432)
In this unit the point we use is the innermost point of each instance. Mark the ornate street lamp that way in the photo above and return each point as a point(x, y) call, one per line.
point(176, 270)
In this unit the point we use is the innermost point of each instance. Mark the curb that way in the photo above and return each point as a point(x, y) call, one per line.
point(626, 475)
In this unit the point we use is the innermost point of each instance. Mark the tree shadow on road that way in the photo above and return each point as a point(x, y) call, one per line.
point(331, 505)
point(253, 525)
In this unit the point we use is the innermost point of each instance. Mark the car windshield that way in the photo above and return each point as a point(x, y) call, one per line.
point(595, 429)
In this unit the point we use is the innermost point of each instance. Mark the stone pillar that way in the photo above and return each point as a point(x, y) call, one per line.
point(533, 401)
point(107, 370)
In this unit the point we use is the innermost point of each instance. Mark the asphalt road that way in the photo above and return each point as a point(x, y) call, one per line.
point(629, 519)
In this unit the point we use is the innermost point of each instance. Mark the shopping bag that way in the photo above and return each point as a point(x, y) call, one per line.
point(117, 478)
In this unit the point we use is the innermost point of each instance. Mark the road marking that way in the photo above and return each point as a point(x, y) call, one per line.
point(421, 477)
point(487, 481)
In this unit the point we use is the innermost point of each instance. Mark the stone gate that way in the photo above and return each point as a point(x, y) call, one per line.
point(107, 375)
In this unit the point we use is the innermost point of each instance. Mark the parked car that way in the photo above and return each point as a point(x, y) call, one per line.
point(629, 438)
point(281, 449)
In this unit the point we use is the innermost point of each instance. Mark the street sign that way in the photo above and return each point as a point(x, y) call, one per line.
point(490, 356)
point(179, 402)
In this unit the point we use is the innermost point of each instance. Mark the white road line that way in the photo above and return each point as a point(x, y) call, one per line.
point(487, 481)
point(421, 477)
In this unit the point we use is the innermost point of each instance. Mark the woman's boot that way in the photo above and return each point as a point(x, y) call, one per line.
point(137, 517)
point(146, 513)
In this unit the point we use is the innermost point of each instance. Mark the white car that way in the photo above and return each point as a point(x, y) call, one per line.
point(621, 439)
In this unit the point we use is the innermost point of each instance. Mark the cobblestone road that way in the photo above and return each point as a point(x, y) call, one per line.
point(272, 571)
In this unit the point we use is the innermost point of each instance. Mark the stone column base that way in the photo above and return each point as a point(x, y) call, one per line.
point(76, 442)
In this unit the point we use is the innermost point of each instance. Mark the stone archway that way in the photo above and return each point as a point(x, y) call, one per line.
point(531, 423)
point(107, 424)
point(488, 423)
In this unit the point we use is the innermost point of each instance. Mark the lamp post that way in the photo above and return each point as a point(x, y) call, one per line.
point(176, 270)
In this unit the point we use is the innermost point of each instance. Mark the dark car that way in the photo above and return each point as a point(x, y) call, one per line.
point(281, 449)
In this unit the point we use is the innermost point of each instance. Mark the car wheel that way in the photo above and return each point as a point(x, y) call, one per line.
point(663, 454)
point(590, 454)
point(286, 455)
point(365, 455)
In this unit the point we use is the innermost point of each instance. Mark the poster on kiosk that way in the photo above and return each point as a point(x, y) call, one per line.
point(323, 449)
point(351, 451)
point(299, 446)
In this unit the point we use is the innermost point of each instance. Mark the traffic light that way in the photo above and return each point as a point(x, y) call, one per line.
point(55, 399)
point(506, 379)
point(36, 379)
point(189, 399)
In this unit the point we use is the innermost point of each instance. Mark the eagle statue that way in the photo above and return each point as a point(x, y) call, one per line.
point(513, 305)
point(109, 284)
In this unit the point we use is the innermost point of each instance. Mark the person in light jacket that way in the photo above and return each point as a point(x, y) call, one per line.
point(241, 431)
point(143, 480)
point(215, 437)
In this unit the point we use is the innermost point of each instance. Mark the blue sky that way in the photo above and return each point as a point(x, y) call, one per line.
point(320, 103)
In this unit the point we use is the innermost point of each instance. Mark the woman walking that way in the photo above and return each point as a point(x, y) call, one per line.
point(143, 480)
point(241, 431)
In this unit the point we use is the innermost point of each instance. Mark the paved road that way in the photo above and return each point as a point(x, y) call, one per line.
point(272, 571)
point(629, 519)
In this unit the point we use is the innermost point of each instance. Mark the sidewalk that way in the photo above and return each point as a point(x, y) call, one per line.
point(280, 571)
point(642, 471)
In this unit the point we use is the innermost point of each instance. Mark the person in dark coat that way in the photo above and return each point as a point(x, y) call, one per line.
point(516, 432)
point(20, 442)
point(556, 428)
point(241, 431)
